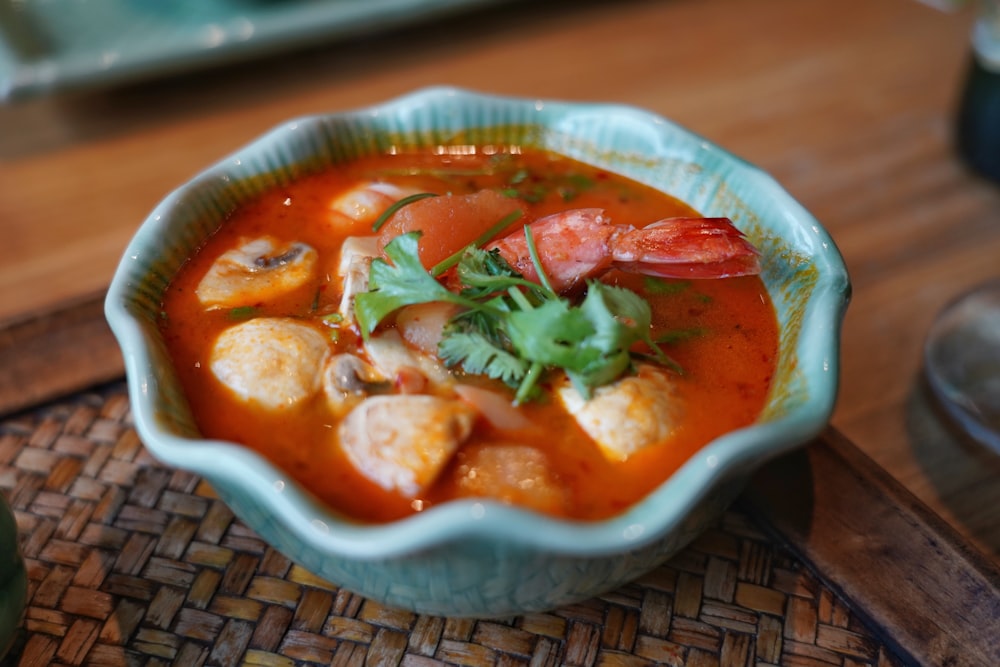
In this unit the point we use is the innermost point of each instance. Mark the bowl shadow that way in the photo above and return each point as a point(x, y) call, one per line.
point(950, 459)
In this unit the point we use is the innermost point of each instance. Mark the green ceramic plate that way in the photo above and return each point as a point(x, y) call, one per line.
point(54, 45)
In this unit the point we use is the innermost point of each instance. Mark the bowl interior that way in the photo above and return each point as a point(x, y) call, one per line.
point(802, 268)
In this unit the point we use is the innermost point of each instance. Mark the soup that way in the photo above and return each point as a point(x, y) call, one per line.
point(497, 322)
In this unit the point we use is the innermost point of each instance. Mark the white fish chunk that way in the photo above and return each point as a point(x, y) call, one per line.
point(275, 362)
point(259, 269)
point(511, 473)
point(629, 414)
point(402, 442)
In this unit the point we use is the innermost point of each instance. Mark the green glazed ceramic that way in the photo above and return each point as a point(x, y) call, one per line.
point(469, 557)
point(55, 46)
point(13, 578)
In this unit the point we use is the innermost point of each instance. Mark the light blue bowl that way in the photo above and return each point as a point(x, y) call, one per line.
point(469, 557)
point(13, 578)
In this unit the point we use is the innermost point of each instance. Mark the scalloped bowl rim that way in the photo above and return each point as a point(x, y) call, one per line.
point(652, 517)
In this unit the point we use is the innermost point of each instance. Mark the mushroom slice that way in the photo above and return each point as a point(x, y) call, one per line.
point(348, 380)
point(258, 270)
point(402, 442)
point(272, 361)
point(349, 374)
point(629, 414)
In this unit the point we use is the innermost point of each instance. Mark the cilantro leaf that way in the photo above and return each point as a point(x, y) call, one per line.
point(587, 341)
point(512, 329)
point(552, 334)
point(403, 283)
point(477, 354)
point(681, 335)
point(485, 272)
point(635, 309)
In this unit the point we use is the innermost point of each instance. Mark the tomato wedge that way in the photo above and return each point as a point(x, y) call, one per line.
point(448, 223)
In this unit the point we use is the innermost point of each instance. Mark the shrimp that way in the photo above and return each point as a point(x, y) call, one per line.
point(583, 243)
point(259, 269)
point(576, 244)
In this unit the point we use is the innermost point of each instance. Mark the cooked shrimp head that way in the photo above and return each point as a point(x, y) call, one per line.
point(583, 243)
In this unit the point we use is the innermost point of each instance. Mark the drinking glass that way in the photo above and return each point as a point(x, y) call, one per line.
point(962, 350)
point(962, 362)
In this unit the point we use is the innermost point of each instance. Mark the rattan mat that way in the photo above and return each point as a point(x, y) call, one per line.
point(134, 563)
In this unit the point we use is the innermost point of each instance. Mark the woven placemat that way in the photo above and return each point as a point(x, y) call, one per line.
point(131, 562)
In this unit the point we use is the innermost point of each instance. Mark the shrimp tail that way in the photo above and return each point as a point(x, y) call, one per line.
point(686, 248)
point(580, 244)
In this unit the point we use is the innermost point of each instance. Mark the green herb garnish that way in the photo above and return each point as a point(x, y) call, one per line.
point(681, 335)
point(510, 328)
point(493, 230)
point(242, 312)
point(391, 211)
point(532, 188)
point(654, 285)
point(405, 282)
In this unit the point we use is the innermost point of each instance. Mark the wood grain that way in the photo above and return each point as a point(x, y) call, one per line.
point(910, 572)
point(848, 103)
point(55, 352)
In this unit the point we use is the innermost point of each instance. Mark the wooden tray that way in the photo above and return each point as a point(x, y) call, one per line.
point(824, 561)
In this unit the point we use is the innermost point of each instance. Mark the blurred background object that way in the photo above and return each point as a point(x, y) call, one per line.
point(962, 351)
point(978, 122)
point(51, 46)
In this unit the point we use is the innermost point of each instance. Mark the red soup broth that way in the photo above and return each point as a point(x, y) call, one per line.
point(726, 337)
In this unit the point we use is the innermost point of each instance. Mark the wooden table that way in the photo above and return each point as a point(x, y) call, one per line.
point(849, 104)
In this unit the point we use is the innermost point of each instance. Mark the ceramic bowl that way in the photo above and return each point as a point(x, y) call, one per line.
point(13, 578)
point(471, 557)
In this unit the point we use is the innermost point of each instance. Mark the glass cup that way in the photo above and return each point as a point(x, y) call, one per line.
point(962, 349)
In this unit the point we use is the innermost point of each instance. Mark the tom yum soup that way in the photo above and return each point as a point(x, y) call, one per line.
point(412, 328)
